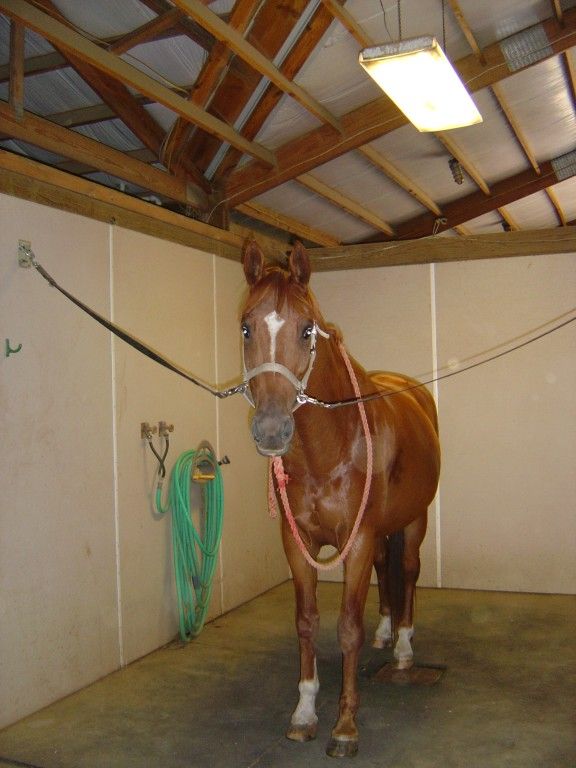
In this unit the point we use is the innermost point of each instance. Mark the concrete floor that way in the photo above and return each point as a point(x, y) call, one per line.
point(507, 698)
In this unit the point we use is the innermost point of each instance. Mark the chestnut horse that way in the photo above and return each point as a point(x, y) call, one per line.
point(289, 348)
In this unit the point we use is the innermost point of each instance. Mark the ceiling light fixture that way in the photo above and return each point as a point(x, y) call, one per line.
point(420, 80)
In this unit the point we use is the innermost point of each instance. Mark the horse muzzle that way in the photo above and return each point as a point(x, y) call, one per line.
point(272, 432)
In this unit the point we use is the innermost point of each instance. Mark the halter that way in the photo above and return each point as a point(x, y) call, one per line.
point(273, 367)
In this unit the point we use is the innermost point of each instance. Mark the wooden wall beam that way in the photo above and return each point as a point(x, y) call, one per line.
point(441, 249)
point(27, 179)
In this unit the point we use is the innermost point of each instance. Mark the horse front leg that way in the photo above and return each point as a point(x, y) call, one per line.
point(357, 571)
point(304, 721)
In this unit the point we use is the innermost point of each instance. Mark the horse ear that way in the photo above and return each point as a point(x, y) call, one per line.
point(252, 261)
point(299, 264)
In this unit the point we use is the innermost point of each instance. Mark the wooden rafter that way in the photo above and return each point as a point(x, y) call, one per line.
point(252, 56)
point(39, 132)
point(353, 207)
point(466, 30)
point(295, 59)
point(286, 223)
point(116, 96)
point(33, 65)
point(222, 91)
point(149, 31)
point(16, 90)
point(180, 135)
point(185, 26)
point(394, 174)
point(557, 7)
point(95, 113)
point(515, 127)
point(508, 219)
point(106, 62)
point(370, 121)
point(338, 11)
point(560, 215)
point(502, 193)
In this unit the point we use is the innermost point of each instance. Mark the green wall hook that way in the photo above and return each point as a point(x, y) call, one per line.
point(9, 350)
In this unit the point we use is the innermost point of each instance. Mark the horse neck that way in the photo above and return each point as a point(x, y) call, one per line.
point(330, 382)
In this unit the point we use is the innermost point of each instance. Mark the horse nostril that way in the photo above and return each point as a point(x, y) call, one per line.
point(288, 429)
point(272, 432)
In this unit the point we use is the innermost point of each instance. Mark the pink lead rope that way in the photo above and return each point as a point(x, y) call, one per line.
point(282, 479)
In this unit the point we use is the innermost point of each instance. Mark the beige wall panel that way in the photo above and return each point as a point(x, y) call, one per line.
point(509, 442)
point(163, 293)
point(385, 316)
point(58, 608)
point(252, 554)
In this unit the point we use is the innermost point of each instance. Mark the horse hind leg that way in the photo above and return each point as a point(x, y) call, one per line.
point(413, 537)
point(383, 636)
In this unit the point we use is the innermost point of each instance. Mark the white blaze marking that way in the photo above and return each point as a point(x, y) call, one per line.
point(274, 323)
point(305, 712)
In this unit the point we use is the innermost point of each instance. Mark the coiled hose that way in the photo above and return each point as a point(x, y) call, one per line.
point(195, 556)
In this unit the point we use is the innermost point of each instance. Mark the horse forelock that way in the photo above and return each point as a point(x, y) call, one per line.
point(277, 288)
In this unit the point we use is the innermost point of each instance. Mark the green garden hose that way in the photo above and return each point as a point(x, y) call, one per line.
point(195, 555)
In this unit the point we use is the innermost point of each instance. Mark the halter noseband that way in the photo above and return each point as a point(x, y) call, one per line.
point(273, 367)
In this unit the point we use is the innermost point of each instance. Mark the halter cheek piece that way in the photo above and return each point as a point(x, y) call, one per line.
point(298, 384)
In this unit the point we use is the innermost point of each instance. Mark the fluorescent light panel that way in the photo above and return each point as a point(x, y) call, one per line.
point(422, 83)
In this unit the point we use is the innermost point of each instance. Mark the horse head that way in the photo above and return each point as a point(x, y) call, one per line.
point(279, 325)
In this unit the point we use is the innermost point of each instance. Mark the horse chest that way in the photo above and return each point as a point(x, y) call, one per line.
point(325, 506)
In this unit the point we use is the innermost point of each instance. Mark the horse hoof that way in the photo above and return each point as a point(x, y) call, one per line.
point(407, 663)
point(380, 642)
point(301, 732)
point(342, 747)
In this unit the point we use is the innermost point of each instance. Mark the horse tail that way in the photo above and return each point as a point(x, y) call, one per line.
point(395, 576)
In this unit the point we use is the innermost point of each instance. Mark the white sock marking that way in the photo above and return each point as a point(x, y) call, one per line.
point(274, 323)
point(305, 712)
point(383, 634)
point(403, 650)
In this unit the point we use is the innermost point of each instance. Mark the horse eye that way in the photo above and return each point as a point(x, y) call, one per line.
point(307, 332)
point(245, 331)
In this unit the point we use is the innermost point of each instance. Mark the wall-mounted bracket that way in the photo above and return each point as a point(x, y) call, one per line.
point(25, 255)
point(11, 350)
point(146, 431)
point(164, 428)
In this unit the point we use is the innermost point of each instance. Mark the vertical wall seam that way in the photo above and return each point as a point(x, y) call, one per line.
point(217, 408)
point(436, 391)
point(115, 451)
